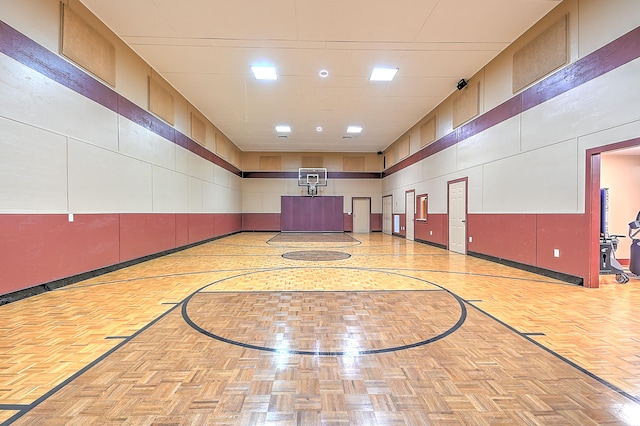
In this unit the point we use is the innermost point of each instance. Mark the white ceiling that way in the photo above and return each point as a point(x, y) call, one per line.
point(205, 48)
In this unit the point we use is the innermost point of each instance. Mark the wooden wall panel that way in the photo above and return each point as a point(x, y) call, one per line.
point(542, 55)
point(198, 129)
point(428, 132)
point(161, 101)
point(353, 164)
point(467, 104)
point(312, 162)
point(403, 148)
point(224, 146)
point(85, 46)
point(271, 162)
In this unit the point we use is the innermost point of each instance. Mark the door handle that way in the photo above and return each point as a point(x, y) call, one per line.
point(463, 221)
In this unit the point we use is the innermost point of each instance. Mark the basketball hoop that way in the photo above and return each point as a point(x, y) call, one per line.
point(312, 178)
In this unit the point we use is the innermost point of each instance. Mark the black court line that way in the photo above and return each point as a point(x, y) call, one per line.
point(455, 327)
point(523, 335)
point(26, 408)
point(563, 359)
point(266, 268)
point(315, 291)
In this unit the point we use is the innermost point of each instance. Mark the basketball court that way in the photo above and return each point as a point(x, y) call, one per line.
point(367, 329)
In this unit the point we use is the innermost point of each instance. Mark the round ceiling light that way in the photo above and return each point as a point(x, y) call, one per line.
point(323, 73)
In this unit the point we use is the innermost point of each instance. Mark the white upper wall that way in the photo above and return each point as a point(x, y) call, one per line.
point(535, 162)
point(63, 152)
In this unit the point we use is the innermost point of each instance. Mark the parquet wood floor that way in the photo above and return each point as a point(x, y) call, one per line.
point(232, 333)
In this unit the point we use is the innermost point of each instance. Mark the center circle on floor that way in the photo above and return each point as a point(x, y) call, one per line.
point(385, 312)
point(316, 255)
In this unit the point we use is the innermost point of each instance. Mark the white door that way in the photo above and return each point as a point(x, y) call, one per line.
point(458, 217)
point(361, 215)
point(410, 206)
point(387, 216)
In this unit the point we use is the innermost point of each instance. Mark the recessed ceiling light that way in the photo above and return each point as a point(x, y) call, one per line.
point(383, 74)
point(283, 129)
point(264, 73)
point(354, 129)
point(323, 73)
point(319, 129)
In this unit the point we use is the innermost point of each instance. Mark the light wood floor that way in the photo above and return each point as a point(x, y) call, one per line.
point(232, 333)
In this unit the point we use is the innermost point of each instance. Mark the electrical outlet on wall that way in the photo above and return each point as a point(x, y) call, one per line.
point(556, 252)
point(470, 239)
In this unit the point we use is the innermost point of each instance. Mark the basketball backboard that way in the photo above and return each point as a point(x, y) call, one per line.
point(312, 178)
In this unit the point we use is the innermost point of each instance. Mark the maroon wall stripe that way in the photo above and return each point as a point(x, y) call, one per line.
point(429, 150)
point(609, 57)
point(29, 53)
point(201, 151)
point(354, 175)
point(614, 54)
point(133, 112)
point(182, 140)
point(226, 165)
point(294, 175)
point(497, 115)
point(270, 175)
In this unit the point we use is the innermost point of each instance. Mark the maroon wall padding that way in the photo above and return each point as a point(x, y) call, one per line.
point(433, 230)
point(403, 225)
point(226, 223)
point(567, 233)
point(261, 221)
point(505, 236)
point(37, 249)
point(529, 239)
point(375, 222)
point(200, 227)
point(182, 229)
point(347, 222)
point(312, 214)
point(141, 234)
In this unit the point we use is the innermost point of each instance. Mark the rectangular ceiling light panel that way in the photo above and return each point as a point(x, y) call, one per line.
point(264, 73)
point(383, 74)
